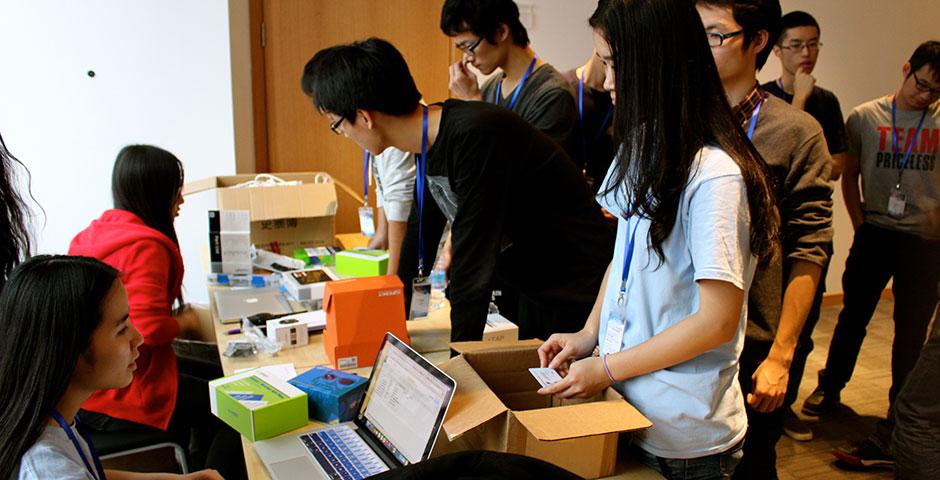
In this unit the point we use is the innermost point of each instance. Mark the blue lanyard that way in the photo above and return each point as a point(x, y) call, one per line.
point(911, 141)
point(627, 260)
point(515, 95)
point(366, 156)
point(98, 471)
point(753, 124)
point(420, 180)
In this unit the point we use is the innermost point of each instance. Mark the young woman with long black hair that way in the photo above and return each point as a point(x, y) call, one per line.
point(137, 237)
point(695, 215)
point(14, 230)
point(55, 352)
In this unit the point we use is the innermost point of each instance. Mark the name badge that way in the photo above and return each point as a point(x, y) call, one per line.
point(420, 298)
point(613, 336)
point(896, 204)
point(366, 224)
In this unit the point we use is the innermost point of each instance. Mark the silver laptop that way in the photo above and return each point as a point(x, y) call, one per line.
point(237, 303)
point(397, 424)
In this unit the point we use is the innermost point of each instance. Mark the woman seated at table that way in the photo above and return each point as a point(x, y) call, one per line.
point(55, 352)
point(138, 238)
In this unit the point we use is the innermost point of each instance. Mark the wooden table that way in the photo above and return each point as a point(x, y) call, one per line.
point(429, 336)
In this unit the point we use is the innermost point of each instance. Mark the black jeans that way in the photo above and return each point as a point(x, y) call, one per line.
point(805, 344)
point(763, 429)
point(876, 256)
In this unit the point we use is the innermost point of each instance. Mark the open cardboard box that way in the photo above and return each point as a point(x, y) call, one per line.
point(496, 407)
point(288, 216)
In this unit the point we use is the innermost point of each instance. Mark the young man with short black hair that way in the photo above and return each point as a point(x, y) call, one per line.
point(893, 144)
point(740, 33)
point(491, 36)
point(497, 179)
point(798, 50)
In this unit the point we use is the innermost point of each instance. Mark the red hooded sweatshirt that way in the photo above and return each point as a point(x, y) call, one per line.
point(152, 271)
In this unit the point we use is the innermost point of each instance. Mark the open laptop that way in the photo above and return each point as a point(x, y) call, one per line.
point(397, 424)
point(237, 303)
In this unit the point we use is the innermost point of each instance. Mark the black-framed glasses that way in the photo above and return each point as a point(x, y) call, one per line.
point(799, 46)
point(922, 86)
point(716, 39)
point(469, 48)
point(335, 126)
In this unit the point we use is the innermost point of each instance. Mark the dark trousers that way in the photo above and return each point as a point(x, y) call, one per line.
point(876, 256)
point(763, 429)
point(805, 344)
point(540, 320)
point(917, 416)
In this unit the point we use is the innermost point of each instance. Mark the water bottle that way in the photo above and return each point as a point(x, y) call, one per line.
point(438, 284)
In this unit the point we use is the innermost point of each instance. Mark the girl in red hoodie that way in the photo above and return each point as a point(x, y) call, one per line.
point(137, 238)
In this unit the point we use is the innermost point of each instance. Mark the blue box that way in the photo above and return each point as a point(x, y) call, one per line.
point(334, 395)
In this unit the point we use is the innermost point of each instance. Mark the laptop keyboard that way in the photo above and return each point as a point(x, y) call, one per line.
point(342, 454)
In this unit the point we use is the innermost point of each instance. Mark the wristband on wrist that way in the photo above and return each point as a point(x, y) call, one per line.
point(607, 369)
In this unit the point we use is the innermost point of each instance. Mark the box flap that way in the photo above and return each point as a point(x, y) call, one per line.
point(573, 421)
point(200, 185)
point(473, 404)
point(466, 347)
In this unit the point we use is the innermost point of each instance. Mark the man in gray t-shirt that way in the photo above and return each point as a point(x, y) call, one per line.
point(893, 145)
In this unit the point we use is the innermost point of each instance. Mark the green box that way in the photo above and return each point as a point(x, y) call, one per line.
point(258, 404)
point(362, 263)
point(316, 256)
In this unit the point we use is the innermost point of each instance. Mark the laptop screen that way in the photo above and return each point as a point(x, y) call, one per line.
point(406, 401)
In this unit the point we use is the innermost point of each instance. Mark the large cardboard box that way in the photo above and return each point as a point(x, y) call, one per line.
point(496, 407)
point(283, 217)
point(358, 313)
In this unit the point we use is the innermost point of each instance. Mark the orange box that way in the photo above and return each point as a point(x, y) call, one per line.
point(358, 313)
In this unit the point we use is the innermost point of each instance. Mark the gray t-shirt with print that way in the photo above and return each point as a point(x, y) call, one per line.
point(54, 456)
point(871, 142)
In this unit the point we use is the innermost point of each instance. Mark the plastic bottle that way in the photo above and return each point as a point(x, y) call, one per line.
point(438, 284)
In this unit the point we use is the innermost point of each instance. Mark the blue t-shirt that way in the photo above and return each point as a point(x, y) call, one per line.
point(696, 407)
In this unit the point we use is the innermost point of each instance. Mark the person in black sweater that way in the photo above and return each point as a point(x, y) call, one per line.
point(501, 183)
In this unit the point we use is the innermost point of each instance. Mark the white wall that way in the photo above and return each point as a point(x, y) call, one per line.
point(163, 75)
point(865, 44)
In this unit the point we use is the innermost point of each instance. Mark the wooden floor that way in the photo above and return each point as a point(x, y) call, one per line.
point(865, 399)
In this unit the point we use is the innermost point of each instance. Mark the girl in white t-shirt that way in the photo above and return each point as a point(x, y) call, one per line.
point(695, 213)
point(66, 334)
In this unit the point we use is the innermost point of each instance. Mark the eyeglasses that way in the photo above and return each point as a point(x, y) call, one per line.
point(335, 126)
point(716, 39)
point(923, 87)
point(468, 49)
point(799, 46)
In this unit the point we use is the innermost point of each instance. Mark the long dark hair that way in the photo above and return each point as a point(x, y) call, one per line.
point(14, 228)
point(43, 336)
point(670, 105)
point(146, 181)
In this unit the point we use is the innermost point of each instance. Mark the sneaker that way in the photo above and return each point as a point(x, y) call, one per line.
point(864, 454)
point(819, 402)
point(796, 428)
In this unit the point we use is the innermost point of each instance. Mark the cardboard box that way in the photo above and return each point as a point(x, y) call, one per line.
point(496, 407)
point(362, 263)
point(229, 242)
point(499, 329)
point(307, 285)
point(258, 404)
point(283, 217)
point(333, 395)
point(358, 313)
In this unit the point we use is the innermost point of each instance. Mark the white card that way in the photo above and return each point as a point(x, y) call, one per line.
point(545, 376)
point(366, 224)
point(613, 337)
point(896, 203)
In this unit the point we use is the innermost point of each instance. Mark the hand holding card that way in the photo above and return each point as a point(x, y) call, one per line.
point(545, 376)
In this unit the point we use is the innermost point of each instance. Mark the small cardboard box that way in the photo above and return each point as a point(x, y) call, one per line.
point(334, 395)
point(283, 217)
point(258, 404)
point(307, 285)
point(499, 329)
point(358, 313)
point(496, 407)
point(362, 263)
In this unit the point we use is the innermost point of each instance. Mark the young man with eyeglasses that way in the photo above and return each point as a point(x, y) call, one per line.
point(499, 181)
point(798, 51)
point(893, 143)
point(740, 33)
point(491, 36)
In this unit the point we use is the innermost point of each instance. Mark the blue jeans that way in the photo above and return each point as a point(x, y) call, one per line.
point(717, 466)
